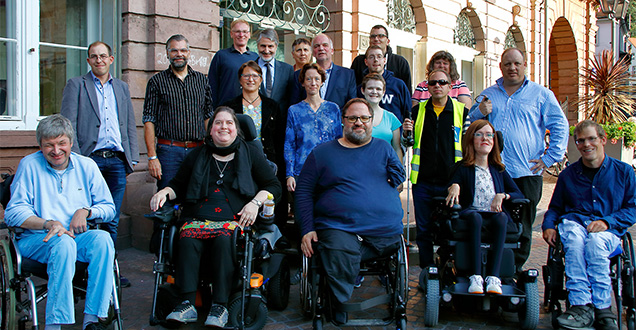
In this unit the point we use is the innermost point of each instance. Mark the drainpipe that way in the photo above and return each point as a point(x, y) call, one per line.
point(532, 38)
point(546, 46)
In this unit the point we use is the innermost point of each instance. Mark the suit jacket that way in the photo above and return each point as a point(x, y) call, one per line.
point(79, 105)
point(341, 87)
point(281, 87)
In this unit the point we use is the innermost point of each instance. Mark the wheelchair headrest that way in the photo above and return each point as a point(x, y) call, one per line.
point(247, 126)
point(500, 140)
point(5, 190)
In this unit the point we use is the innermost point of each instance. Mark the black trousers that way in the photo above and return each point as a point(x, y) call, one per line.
point(341, 253)
point(496, 223)
point(531, 187)
point(221, 266)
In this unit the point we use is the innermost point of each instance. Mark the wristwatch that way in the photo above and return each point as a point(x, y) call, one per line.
point(90, 212)
point(257, 202)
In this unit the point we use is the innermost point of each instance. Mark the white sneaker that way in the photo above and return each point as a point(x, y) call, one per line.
point(476, 284)
point(493, 285)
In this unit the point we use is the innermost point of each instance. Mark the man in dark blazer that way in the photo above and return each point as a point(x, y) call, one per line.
point(281, 74)
point(340, 85)
point(99, 107)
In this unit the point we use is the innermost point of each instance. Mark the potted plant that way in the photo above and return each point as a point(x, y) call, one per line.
point(610, 103)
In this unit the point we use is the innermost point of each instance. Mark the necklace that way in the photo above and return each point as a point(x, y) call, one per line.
point(220, 180)
point(250, 105)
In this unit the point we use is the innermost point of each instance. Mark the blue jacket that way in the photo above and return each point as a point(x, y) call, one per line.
point(397, 97)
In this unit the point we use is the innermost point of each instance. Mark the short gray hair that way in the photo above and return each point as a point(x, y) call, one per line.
point(177, 37)
point(269, 34)
point(53, 126)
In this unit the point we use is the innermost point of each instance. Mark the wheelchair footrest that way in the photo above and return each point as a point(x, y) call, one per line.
point(507, 291)
point(367, 323)
point(364, 305)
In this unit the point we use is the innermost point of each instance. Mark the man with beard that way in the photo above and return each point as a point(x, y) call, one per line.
point(177, 107)
point(347, 201)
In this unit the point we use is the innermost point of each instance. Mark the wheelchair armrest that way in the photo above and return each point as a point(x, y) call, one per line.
point(515, 206)
point(521, 201)
point(163, 215)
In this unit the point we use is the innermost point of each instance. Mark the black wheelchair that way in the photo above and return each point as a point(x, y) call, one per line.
point(318, 304)
point(19, 293)
point(262, 280)
point(447, 283)
point(621, 274)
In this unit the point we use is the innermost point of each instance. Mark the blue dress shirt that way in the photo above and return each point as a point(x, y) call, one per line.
point(609, 197)
point(523, 118)
point(109, 136)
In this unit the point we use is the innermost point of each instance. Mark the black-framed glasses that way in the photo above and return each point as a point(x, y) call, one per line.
point(248, 76)
point(441, 82)
point(484, 135)
point(591, 139)
point(353, 119)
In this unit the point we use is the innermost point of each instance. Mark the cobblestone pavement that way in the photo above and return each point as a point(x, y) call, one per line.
point(137, 266)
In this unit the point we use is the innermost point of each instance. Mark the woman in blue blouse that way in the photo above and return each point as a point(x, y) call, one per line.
point(386, 125)
point(485, 184)
point(309, 123)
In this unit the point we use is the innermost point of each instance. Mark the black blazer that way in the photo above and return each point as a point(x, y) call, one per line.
point(272, 126)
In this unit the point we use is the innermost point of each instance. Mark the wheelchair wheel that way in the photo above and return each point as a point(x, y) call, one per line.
point(628, 280)
point(251, 322)
point(305, 289)
point(401, 324)
point(278, 287)
point(7, 301)
point(529, 312)
point(431, 314)
point(166, 301)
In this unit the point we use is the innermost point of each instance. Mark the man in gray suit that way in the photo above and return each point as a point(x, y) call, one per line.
point(280, 74)
point(99, 107)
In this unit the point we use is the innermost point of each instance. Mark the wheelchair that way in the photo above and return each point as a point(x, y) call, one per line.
point(19, 294)
point(621, 274)
point(262, 280)
point(318, 304)
point(447, 282)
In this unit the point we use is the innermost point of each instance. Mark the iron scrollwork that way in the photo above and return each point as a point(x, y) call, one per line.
point(464, 34)
point(297, 15)
point(400, 15)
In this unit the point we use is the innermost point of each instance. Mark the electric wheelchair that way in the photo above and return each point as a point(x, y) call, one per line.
point(19, 293)
point(447, 282)
point(621, 274)
point(318, 304)
point(263, 275)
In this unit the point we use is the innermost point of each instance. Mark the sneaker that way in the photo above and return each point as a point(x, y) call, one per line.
point(358, 282)
point(95, 326)
point(476, 284)
point(296, 278)
point(605, 319)
point(124, 282)
point(183, 313)
point(577, 317)
point(493, 285)
point(217, 317)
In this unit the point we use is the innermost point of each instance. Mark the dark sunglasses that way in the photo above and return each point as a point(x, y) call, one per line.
point(440, 82)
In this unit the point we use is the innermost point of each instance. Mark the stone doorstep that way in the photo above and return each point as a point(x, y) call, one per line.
point(124, 235)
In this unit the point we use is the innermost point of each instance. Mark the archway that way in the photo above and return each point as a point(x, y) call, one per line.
point(564, 67)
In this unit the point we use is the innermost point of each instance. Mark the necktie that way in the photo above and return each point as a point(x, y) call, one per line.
point(268, 79)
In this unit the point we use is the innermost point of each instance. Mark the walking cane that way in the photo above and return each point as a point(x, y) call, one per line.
point(408, 142)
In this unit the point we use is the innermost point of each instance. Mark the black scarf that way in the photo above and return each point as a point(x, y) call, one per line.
point(200, 176)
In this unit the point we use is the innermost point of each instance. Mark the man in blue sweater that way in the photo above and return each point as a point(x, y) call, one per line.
point(347, 200)
point(594, 204)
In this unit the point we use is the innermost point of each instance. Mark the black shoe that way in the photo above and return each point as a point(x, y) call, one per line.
point(605, 319)
point(577, 317)
point(339, 318)
point(95, 326)
point(124, 282)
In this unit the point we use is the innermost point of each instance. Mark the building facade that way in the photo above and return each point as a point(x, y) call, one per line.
point(44, 44)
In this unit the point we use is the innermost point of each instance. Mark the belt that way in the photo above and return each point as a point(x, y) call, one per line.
point(105, 153)
point(182, 144)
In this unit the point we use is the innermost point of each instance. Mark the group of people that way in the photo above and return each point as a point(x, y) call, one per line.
point(339, 156)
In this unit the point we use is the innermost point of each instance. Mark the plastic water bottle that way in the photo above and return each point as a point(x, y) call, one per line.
point(268, 207)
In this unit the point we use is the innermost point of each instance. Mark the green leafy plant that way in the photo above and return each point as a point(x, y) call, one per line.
point(625, 130)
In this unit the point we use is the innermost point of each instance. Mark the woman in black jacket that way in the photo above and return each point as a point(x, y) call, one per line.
point(480, 185)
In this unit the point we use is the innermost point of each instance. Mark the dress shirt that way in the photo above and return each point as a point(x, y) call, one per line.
point(109, 136)
point(272, 66)
point(323, 88)
point(178, 108)
point(39, 190)
point(609, 197)
point(523, 118)
point(306, 129)
point(223, 74)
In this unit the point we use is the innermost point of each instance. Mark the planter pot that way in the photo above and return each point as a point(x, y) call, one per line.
point(614, 150)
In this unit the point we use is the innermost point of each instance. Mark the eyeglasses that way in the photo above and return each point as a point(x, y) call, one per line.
point(590, 140)
point(381, 35)
point(374, 57)
point(176, 51)
point(353, 119)
point(440, 82)
point(241, 31)
point(248, 76)
point(484, 135)
point(103, 57)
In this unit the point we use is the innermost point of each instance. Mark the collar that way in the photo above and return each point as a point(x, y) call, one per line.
point(234, 50)
point(110, 77)
point(262, 62)
point(525, 82)
point(70, 165)
point(190, 71)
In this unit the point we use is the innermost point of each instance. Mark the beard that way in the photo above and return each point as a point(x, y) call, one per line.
point(358, 138)
point(178, 65)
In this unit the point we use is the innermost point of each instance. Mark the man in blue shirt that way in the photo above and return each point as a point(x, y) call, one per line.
point(223, 72)
point(594, 204)
point(53, 194)
point(101, 112)
point(522, 110)
point(347, 200)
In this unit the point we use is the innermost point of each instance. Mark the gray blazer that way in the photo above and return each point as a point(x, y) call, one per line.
point(79, 105)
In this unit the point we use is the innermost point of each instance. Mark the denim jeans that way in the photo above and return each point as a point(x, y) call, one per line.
point(587, 264)
point(60, 253)
point(170, 158)
point(423, 194)
point(114, 172)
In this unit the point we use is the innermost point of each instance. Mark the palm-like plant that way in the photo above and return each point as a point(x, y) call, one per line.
point(610, 99)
